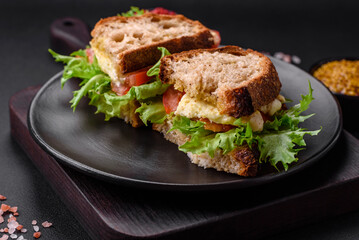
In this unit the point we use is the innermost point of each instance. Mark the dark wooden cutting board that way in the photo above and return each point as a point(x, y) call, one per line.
point(110, 211)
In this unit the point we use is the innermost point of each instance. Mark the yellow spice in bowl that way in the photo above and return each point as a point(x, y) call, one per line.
point(340, 76)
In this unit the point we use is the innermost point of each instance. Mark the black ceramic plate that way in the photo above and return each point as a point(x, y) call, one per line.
point(116, 152)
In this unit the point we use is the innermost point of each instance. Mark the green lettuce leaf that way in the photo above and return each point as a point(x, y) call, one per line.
point(281, 147)
point(199, 136)
point(149, 90)
point(134, 11)
point(93, 85)
point(113, 105)
point(155, 69)
point(224, 141)
point(289, 119)
point(189, 127)
point(109, 108)
point(203, 140)
point(77, 66)
point(141, 92)
point(96, 85)
point(153, 112)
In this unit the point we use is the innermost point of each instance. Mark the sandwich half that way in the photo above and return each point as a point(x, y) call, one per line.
point(220, 105)
point(127, 44)
point(122, 51)
point(219, 87)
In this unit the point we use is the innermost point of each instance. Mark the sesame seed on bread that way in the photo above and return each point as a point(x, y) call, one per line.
point(237, 81)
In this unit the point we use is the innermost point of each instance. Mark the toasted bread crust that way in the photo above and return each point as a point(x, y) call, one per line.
point(258, 92)
point(240, 101)
point(146, 55)
point(149, 55)
point(248, 159)
point(134, 119)
point(241, 161)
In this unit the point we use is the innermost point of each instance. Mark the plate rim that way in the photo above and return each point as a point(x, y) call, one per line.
point(153, 185)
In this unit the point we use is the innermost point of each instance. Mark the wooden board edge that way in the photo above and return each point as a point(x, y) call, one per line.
point(244, 224)
point(61, 183)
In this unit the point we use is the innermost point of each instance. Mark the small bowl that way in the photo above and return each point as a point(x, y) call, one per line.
point(348, 103)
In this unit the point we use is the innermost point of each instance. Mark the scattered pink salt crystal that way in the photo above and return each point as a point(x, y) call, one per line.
point(13, 224)
point(5, 207)
point(37, 235)
point(11, 219)
point(4, 237)
point(46, 224)
point(13, 236)
point(13, 209)
point(287, 58)
point(296, 59)
point(11, 230)
point(278, 55)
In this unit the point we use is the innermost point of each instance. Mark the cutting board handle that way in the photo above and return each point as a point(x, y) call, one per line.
point(69, 34)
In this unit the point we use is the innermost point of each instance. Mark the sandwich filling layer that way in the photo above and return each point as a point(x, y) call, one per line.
point(195, 108)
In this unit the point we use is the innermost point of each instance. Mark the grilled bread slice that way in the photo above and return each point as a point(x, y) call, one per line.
point(126, 44)
point(242, 160)
point(237, 81)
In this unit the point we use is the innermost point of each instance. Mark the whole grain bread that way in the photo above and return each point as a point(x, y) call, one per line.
point(126, 44)
point(237, 81)
point(242, 160)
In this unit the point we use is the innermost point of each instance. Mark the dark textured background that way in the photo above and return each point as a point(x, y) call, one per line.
point(311, 30)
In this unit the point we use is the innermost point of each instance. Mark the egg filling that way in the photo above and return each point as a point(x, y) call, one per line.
point(194, 108)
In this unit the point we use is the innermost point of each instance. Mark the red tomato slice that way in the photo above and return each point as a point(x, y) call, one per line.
point(136, 78)
point(217, 38)
point(171, 98)
point(119, 88)
point(90, 54)
point(160, 10)
point(216, 127)
point(266, 117)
